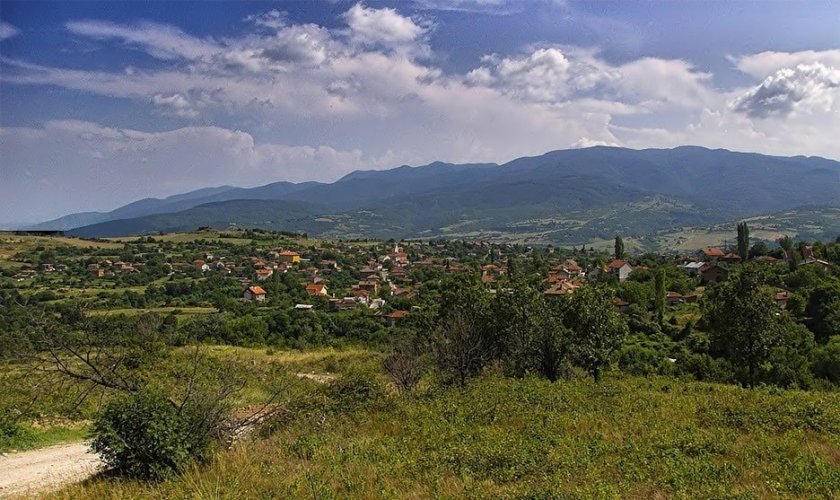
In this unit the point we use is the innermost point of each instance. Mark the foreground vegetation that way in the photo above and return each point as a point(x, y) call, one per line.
point(442, 368)
point(636, 437)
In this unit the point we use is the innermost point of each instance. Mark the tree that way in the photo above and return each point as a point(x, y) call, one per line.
point(530, 336)
point(786, 243)
point(659, 295)
point(744, 321)
point(743, 241)
point(619, 247)
point(596, 329)
point(758, 249)
point(461, 348)
point(827, 360)
point(512, 267)
point(823, 310)
point(404, 364)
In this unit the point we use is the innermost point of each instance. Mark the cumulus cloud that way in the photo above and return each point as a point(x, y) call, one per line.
point(382, 26)
point(805, 87)
point(358, 96)
point(175, 105)
point(553, 75)
point(765, 63)
point(586, 142)
point(7, 30)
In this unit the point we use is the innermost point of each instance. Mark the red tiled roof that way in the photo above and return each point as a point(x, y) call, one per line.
point(256, 290)
point(713, 252)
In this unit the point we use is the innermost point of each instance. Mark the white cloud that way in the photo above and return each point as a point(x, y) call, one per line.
point(496, 7)
point(175, 105)
point(7, 30)
point(74, 165)
point(585, 142)
point(273, 19)
point(159, 40)
point(382, 26)
point(552, 75)
point(357, 96)
point(806, 87)
point(765, 63)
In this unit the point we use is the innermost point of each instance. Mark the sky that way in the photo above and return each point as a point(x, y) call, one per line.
point(103, 103)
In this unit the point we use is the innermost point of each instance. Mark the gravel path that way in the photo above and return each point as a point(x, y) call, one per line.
point(47, 468)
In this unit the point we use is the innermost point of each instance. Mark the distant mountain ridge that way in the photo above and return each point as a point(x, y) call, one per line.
point(562, 196)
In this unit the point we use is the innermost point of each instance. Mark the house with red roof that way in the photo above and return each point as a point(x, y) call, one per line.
point(254, 293)
point(711, 253)
point(620, 268)
point(317, 290)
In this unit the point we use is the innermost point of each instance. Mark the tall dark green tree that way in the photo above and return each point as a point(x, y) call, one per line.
point(659, 295)
point(743, 241)
point(744, 320)
point(512, 267)
point(619, 247)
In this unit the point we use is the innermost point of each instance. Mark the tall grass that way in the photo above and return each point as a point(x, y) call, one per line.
point(631, 437)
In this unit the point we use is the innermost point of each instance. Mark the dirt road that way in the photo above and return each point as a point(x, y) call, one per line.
point(47, 468)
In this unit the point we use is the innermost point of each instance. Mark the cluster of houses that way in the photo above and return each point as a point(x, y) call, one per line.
point(389, 269)
point(109, 268)
point(385, 274)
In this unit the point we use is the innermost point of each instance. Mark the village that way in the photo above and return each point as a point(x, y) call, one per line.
point(387, 278)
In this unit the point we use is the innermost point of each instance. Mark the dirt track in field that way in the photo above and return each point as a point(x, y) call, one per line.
point(30, 472)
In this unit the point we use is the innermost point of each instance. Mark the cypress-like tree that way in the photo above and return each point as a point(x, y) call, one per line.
point(659, 299)
point(743, 241)
point(619, 248)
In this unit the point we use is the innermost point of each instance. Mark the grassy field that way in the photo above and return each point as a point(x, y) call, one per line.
point(503, 438)
point(41, 434)
point(63, 418)
point(184, 311)
point(234, 237)
point(690, 240)
point(11, 244)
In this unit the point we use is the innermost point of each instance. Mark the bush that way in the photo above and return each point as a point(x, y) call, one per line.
point(404, 366)
point(144, 436)
point(639, 360)
point(354, 390)
point(827, 360)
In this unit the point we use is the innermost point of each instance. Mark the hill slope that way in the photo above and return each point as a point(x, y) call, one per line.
point(528, 438)
point(568, 196)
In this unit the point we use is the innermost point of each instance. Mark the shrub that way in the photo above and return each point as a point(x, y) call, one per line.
point(639, 360)
point(404, 366)
point(827, 360)
point(354, 390)
point(144, 436)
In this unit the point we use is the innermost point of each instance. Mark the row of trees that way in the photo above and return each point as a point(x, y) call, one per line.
point(518, 329)
point(743, 334)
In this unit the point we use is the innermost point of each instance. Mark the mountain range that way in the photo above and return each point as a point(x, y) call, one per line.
point(564, 197)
